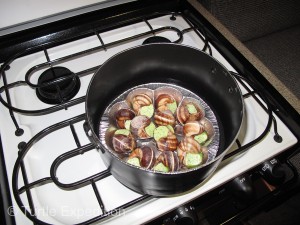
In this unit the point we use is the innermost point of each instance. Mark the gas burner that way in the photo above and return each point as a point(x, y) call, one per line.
point(58, 92)
point(156, 39)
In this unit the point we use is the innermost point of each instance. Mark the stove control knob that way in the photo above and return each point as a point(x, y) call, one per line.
point(242, 188)
point(184, 215)
point(272, 171)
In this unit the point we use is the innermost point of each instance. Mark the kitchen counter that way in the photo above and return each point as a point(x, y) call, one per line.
point(280, 87)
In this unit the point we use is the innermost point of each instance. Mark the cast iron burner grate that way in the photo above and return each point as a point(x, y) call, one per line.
point(59, 91)
point(65, 79)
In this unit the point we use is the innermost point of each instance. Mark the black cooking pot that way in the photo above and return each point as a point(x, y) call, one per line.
point(165, 63)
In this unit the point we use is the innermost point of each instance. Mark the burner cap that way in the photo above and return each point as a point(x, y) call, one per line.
point(156, 39)
point(61, 91)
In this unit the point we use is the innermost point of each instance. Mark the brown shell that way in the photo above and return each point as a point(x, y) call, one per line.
point(163, 99)
point(146, 155)
point(169, 159)
point(164, 118)
point(183, 115)
point(169, 93)
point(167, 144)
point(193, 128)
point(139, 97)
point(178, 129)
point(138, 125)
point(208, 127)
point(205, 154)
point(123, 144)
point(139, 101)
point(122, 115)
point(188, 144)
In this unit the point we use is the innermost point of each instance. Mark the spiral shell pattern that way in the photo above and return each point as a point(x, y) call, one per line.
point(193, 128)
point(168, 144)
point(164, 118)
point(122, 115)
point(145, 155)
point(123, 144)
point(188, 144)
point(169, 159)
point(138, 125)
point(139, 101)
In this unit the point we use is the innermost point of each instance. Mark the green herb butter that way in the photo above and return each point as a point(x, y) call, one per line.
point(170, 128)
point(192, 159)
point(191, 108)
point(160, 132)
point(123, 131)
point(127, 124)
point(161, 167)
point(150, 129)
point(172, 106)
point(147, 111)
point(134, 161)
point(201, 138)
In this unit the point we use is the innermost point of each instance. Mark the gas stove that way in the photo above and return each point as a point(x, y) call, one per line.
point(52, 173)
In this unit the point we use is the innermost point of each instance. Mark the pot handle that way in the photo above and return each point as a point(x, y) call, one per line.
point(88, 133)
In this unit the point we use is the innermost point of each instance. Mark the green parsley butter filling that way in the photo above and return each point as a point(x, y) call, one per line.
point(201, 138)
point(193, 159)
point(150, 129)
point(147, 111)
point(127, 124)
point(191, 108)
point(172, 106)
point(160, 132)
point(122, 131)
point(161, 167)
point(134, 161)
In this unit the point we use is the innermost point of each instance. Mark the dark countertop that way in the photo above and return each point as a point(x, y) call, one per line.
point(280, 87)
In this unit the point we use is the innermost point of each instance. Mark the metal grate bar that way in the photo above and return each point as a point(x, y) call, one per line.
point(263, 134)
point(18, 131)
point(75, 136)
point(28, 193)
point(99, 199)
point(35, 184)
point(101, 41)
point(149, 25)
point(201, 33)
point(277, 137)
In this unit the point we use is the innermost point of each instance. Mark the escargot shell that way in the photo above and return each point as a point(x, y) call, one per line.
point(138, 98)
point(166, 95)
point(138, 125)
point(164, 118)
point(123, 144)
point(193, 128)
point(188, 144)
point(169, 159)
point(122, 116)
point(183, 113)
point(167, 144)
point(146, 156)
point(208, 127)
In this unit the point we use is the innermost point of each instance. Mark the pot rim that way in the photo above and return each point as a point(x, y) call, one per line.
point(100, 145)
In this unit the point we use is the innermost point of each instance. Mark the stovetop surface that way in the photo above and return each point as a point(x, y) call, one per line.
point(70, 207)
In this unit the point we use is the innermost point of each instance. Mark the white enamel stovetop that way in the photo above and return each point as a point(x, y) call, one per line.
point(57, 206)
